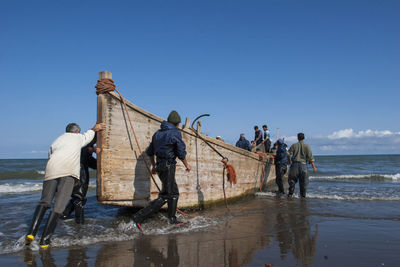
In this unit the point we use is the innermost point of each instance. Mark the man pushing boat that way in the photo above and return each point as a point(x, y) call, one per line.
point(166, 145)
point(62, 171)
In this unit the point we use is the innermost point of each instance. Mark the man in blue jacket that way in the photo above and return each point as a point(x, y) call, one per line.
point(166, 145)
point(243, 143)
point(281, 161)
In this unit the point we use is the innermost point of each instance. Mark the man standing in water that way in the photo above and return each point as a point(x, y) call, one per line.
point(78, 197)
point(166, 145)
point(301, 156)
point(62, 171)
point(280, 164)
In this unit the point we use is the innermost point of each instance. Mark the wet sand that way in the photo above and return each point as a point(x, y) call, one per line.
point(259, 231)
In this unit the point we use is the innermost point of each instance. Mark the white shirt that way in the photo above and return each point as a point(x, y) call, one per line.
point(65, 155)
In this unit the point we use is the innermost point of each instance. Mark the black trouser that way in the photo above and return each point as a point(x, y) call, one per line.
point(166, 172)
point(169, 193)
point(78, 197)
point(80, 189)
point(298, 172)
point(267, 146)
point(280, 170)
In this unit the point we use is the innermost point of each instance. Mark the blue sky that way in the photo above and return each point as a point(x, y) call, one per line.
point(329, 69)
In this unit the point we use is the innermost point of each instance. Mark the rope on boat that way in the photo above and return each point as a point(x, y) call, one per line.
point(263, 156)
point(107, 85)
point(230, 170)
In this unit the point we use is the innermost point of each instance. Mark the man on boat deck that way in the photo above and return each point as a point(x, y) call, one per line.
point(258, 138)
point(243, 143)
point(166, 145)
point(62, 171)
point(301, 156)
point(267, 139)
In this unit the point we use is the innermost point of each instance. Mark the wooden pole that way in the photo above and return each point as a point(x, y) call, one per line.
point(105, 75)
point(100, 135)
point(277, 133)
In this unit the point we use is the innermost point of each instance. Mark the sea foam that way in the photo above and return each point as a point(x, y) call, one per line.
point(95, 231)
point(19, 187)
point(369, 177)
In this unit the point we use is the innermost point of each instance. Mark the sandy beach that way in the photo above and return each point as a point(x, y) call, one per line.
point(259, 231)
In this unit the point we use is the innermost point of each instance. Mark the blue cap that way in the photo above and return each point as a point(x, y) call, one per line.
point(280, 141)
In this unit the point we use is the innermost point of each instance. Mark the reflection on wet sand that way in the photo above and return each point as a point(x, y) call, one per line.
point(294, 231)
point(231, 243)
point(245, 237)
point(45, 256)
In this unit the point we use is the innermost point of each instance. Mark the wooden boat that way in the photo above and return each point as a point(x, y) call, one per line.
point(123, 177)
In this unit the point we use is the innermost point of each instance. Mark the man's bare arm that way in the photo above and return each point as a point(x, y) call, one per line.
point(188, 167)
point(99, 126)
point(313, 166)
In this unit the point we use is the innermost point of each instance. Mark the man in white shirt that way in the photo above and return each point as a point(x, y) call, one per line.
point(62, 171)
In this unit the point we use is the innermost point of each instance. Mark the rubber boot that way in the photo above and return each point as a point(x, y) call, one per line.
point(49, 230)
point(302, 192)
point(172, 205)
point(36, 220)
point(79, 213)
point(144, 213)
point(291, 191)
point(68, 210)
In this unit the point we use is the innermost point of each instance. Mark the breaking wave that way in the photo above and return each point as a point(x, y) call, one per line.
point(15, 187)
point(95, 231)
point(360, 177)
point(337, 196)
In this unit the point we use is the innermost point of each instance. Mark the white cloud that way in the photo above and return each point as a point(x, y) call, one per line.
point(350, 133)
point(326, 148)
point(348, 141)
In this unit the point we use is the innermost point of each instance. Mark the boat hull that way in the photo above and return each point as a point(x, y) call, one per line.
point(123, 177)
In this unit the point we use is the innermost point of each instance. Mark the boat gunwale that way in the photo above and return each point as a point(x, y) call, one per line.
point(189, 131)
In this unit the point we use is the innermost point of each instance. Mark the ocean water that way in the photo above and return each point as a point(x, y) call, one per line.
point(365, 188)
point(364, 177)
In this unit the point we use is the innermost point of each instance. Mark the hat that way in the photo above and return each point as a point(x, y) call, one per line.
point(174, 117)
point(280, 141)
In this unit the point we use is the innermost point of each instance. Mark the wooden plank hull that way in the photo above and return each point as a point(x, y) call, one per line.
point(123, 178)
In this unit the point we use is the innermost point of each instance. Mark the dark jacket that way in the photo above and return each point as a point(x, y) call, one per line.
point(243, 143)
point(167, 144)
point(258, 134)
point(281, 155)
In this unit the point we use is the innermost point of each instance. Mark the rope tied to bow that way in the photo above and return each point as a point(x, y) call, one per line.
point(104, 86)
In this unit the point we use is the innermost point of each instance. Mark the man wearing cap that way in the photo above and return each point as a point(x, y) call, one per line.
point(166, 145)
point(301, 156)
point(280, 164)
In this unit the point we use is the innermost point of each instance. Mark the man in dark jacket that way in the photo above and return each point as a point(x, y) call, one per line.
point(280, 164)
point(243, 143)
point(166, 145)
point(258, 137)
point(78, 197)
